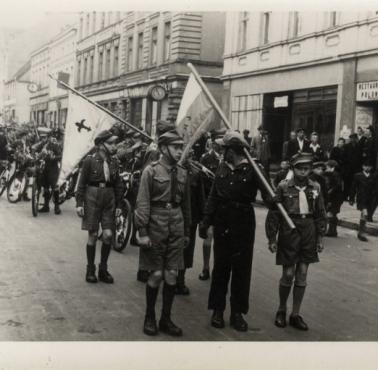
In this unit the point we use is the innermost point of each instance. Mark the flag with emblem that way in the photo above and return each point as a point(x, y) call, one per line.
point(84, 122)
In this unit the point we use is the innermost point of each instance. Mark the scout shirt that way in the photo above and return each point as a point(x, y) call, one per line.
point(93, 172)
point(288, 194)
point(156, 186)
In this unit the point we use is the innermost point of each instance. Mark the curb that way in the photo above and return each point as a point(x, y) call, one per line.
point(371, 230)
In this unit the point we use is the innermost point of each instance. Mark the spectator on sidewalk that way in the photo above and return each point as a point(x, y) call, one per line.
point(282, 173)
point(362, 188)
point(315, 148)
point(334, 195)
point(369, 151)
point(293, 136)
point(299, 145)
point(260, 147)
point(247, 138)
point(354, 163)
point(338, 154)
point(317, 175)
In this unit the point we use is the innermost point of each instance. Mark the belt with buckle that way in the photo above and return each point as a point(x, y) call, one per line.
point(308, 215)
point(100, 184)
point(166, 205)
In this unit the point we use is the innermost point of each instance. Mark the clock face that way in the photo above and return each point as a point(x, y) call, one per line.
point(32, 87)
point(158, 92)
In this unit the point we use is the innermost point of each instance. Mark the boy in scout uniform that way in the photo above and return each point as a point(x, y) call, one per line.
point(162, 217)
point(296, 249)
point(98, 199)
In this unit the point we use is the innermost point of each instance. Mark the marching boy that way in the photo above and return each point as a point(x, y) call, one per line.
point(162, 218)
point(296, 249)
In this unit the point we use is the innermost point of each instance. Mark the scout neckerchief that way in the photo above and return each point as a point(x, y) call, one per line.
point(303, 204)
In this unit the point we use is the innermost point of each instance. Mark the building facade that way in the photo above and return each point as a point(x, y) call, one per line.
point(39, 100)
point(16, 108)
point(134, 63)
point(62, 59)
point(311, 70)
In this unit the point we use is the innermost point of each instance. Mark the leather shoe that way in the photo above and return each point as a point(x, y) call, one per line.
point(362, 237)
point(105, 277)
point(182, 290)
point(298, 323)
point(168, 327)
point(280, 319)
point(217, 320)
point(90, 276)
point(204, 275)
point(57, 210)
point(238, 323)
point(149, 326)
point(44, 209)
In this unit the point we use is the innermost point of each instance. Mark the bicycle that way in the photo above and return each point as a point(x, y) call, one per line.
point(37, 188)
point(6, 174)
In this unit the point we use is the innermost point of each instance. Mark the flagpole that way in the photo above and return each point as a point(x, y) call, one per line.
point(246, 152)
point(102, 108)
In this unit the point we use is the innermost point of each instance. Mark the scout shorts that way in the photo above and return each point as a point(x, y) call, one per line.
point(99, 209)
point(298, 245)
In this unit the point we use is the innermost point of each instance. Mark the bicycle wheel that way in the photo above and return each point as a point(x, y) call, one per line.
point(36, 191)
point(123, 227)
point(14, 189)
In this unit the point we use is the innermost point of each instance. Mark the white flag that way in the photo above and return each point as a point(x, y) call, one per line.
point(195, 111)
point(84, 122)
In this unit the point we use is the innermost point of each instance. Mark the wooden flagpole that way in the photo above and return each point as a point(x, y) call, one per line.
point(246, 152)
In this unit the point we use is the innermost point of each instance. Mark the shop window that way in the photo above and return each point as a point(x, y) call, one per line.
point(136, 112)
point(246, 111)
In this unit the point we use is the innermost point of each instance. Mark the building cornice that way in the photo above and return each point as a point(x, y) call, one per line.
point(301, 38)
point(288, 67)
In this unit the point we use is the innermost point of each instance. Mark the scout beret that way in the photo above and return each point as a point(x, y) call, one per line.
point(104, 136)
point(170, 138)
point(314, 133)
point(299, 129)
point(164, 126)
point(331, 163)
point(367, 162)
point(301, 158)
point(233, 138)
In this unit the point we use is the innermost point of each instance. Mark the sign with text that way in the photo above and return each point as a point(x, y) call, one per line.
point(367, 91)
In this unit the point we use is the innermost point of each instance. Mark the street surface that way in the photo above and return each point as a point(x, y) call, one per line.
point(43, 295)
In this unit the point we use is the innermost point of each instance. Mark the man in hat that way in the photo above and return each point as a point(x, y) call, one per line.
point(334, 196)
point(230, 211)
point(162, 217)
point(296, 249)
point(369, 150)
point(317, 175)
point(246, 136)
point(98, 200)
point(51, 151)
point(363, 187)
point(299, 145)
point(260, 147)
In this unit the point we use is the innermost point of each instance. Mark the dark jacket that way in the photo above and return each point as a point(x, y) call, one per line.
point(334, 191)
point(293, 148)
point(362, 190)
point(93, 172)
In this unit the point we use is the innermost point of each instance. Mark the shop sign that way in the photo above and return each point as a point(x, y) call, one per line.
point(364, 117)
point(367, 91)
point(281, 101)
point(136, 92)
